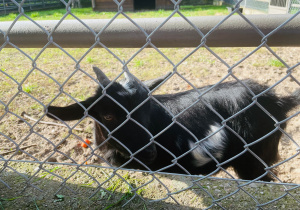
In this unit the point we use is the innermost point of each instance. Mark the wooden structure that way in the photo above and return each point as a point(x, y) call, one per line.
point(132, 5)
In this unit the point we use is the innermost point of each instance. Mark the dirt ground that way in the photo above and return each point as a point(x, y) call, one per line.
point(115, 193)
point(53, 143)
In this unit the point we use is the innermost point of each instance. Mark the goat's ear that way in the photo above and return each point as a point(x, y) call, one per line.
point(102, 78)
point(151, 84)
point(71, 112)
point(128, 76)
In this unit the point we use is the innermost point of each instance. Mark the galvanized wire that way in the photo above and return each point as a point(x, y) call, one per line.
point(241, 186)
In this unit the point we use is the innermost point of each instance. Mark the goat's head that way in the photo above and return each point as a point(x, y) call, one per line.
point(111, 108)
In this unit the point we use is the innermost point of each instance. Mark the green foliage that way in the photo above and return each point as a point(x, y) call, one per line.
point(7, 199)
point(59, 198)
point(34, 14)
point(88, 13)
point(275, 63)
point(89, 59)
point(12, 16)
point(138, 63)
point(127, 195)
point(28, 88)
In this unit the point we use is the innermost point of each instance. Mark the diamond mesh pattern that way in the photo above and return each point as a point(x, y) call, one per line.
point(47, 167)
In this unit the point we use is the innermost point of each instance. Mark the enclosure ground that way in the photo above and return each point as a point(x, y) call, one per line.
point(38, 140)
point(115, 193)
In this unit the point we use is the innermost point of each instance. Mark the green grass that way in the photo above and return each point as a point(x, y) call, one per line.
point(271, 62)
point(275, 63)
point(89, 59)
point(28, 88)
point(138, 63)
point(88, 13)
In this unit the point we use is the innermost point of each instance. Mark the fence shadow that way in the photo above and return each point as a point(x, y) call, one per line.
point(114, 195)
point(115, 191)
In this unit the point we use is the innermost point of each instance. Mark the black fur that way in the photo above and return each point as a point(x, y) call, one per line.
point(226, 99)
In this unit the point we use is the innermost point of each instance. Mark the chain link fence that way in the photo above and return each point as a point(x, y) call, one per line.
point(40, 157)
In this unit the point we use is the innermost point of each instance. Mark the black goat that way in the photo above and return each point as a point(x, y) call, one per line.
point(198, 140)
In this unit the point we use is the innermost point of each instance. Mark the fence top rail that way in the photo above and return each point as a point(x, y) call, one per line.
point(176, 32)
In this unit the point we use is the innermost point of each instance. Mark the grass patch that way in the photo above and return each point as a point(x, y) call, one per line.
point(34, 14)
point(275, 63)
point(271, 62)
point(138, 63)
point(89, 59)
point(88, 13)
point(28, 88)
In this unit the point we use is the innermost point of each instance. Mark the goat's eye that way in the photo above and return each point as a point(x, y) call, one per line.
point(108, 117)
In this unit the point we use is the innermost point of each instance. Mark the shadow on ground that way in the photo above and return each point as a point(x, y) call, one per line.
point(16, 193)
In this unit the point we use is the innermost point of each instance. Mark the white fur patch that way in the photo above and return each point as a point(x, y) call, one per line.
point(199, 155)
point(214, 144)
